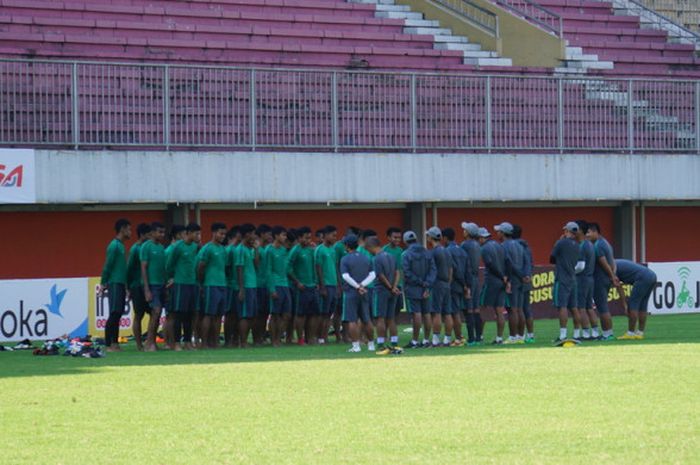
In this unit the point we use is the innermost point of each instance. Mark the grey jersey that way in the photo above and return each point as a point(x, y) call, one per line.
point(603, 248)
point(494, 257)
point(630, 272)
point(565, 256)
point(419, 271)
point(357, 266)
point(384, 264)
point(443, 263)
point(527, 257)
point(587, 255)
point(515, 255)
point(460, 271)
point(473, 249)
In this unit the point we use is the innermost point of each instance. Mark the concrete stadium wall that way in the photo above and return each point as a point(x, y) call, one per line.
point(80, 177)
point(71, 241)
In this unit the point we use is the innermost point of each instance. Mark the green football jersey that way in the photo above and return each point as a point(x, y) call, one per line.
point(114, 270)
point(213, 256)
point(153, 254)
point(246, 260)
point(326, 259)
point(231, 270)
point(181, 263)
point(277, 261)
point(133, 267)
point(301, 265)
point(261, 270)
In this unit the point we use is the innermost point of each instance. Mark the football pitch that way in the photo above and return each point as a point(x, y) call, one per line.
point(619, 402)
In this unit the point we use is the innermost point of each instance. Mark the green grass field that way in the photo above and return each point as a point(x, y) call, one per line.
point(622, 402)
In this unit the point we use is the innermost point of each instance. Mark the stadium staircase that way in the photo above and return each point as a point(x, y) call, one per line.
point(607, 31)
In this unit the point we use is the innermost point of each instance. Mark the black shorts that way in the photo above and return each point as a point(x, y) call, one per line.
point(138, 300)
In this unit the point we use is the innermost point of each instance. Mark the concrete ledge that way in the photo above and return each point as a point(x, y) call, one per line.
point(78, 177)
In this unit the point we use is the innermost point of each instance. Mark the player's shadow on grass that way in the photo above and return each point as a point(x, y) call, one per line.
point(24, 364)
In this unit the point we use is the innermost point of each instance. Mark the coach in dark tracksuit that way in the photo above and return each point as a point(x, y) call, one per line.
point(472, 246)
point(564, 256)
point(461, 280)
point(419, 273)
point(643, 281)
point(493, 294)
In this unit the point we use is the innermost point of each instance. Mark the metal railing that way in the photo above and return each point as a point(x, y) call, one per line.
point(536, 14)
point(487, 20)
point(659, 21)
point(113, 105)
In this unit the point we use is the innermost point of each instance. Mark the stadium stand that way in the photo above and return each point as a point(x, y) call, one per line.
point(132, 104)
point(684, 12)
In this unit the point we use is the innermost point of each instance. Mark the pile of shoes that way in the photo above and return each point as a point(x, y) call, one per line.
point(84, 347)
point(24, 345)
point(51, 347)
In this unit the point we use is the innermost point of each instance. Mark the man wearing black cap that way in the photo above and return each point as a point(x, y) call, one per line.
point(419, 273)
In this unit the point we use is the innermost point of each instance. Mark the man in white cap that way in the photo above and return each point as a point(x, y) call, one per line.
point(440, 302)
point(419, 273)
point(472, 247)
point(493, 294)
point(565, 256)
point(515, 263)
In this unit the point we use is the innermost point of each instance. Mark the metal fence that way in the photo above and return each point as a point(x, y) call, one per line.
point(87, 105)
point(535, 13)
point(469, 10)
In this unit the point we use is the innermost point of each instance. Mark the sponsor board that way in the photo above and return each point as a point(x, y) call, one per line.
point(677, 288)
point(17, 176)
point(39, 309)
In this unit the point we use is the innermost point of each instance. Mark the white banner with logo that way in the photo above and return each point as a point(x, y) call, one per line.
point(677, 289)
point(17, 176)
point(39, 309)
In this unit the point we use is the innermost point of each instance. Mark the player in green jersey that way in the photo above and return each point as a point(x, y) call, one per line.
point(211, 273)
point(278, 284)
point(302, 274)
point(177, 233)
point(153, 273)
point(135, 283)
point(182, 273)
point(247, 262)
point(328, 280)
point(113, 280)
point(264, 239)
point(233, 239)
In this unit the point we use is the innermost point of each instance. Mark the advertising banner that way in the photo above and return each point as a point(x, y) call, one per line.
point(98, 312)
point(677, 288)
point(39, 309)
point(17, 176)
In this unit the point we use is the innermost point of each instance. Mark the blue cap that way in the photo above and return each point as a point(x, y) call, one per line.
point(350, 240)
point(505, 228)
point(409, 236)
point(571, 226)
point(434, 232)
point(471, 228)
